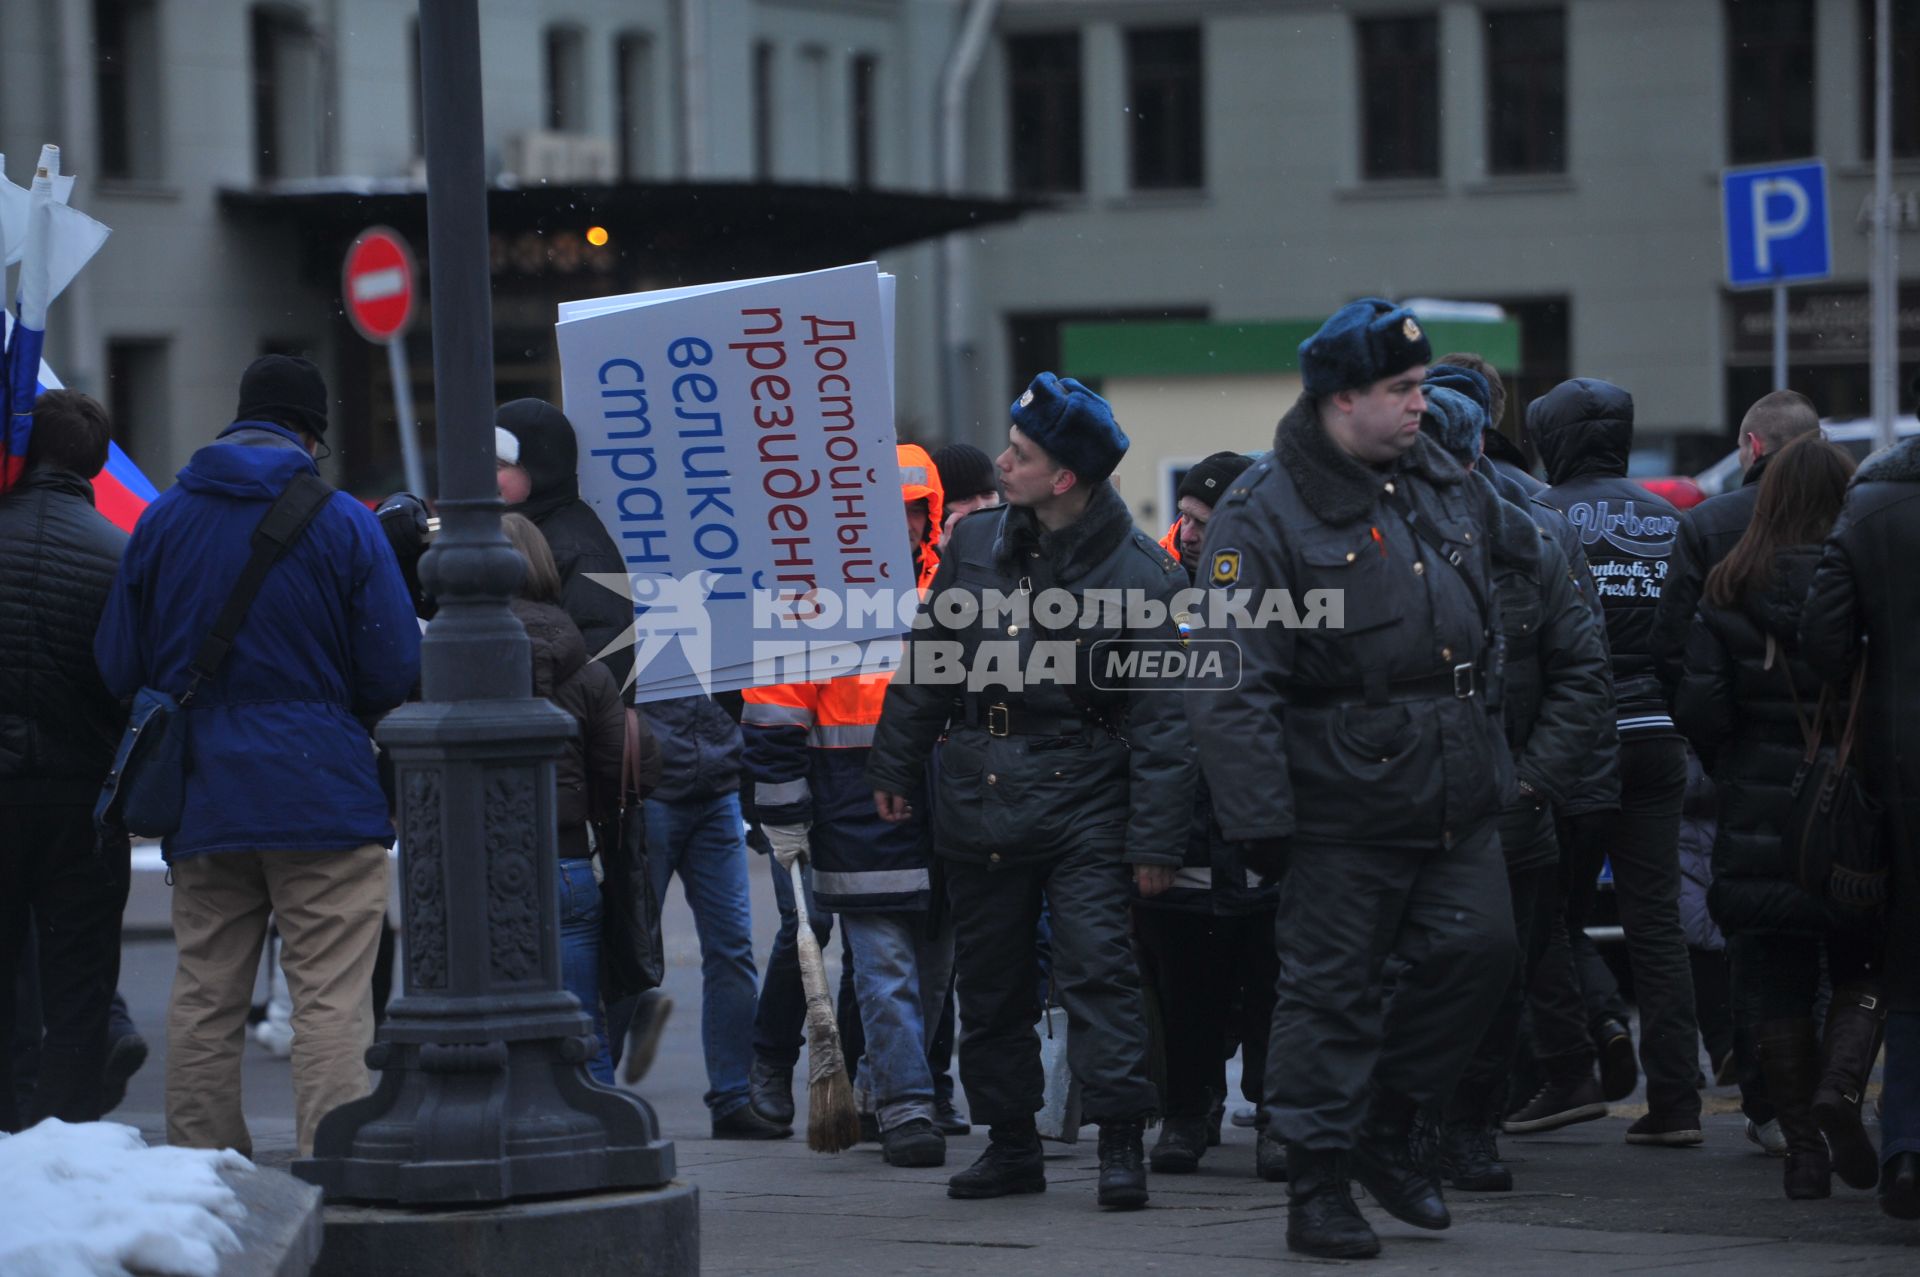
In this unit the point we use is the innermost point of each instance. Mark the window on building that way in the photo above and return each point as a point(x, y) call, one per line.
point(763, 110)
point(126, 83)
point(1527, 91)
point(864, 115)
point(1546, 353)
point(137, 398)
point(287, 117)
point(1905, 47)
point(806, 148)
point(1769, 79)
point(633, 103)
point(1164, 99)
point(1044, 113)
point(416, 102)
point(566, 79)
point(1400, 96)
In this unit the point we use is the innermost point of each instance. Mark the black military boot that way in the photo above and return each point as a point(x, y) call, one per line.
point(1384, 1163)
point(1012, 1164)
point(1270, 1158)
point(1182, 1142)
point(1847, 1051)
point(1469, 1158)
point(1321, 1217)
point(770, 1090)
point(1789, 1061)
point(1123, 1175)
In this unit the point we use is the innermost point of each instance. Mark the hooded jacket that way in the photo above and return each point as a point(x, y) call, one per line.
point(580, 542)
point(1584, 430)
point(807, 746)
point(587, 773)
point(1865, 605)
point(1735, 703)
point(1708, 533)
point(1284, 756)
point(1127, 786)
point(278, 758)
point(59, 724)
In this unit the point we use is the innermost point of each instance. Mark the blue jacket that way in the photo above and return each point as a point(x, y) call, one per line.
point(699, 749)
point(278, 757)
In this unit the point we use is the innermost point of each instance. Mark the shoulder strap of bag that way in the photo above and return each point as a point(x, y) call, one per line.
point(630, 760)
point(1853, 713)
point(1809, 732)
point(276, 533)
point(1403, 506)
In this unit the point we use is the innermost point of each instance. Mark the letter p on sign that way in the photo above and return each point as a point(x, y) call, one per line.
point(1777, 229)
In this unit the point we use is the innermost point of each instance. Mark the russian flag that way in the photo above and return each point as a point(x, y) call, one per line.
point(121, 491)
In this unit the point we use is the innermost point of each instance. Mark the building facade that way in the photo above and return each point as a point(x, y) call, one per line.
point(1224, 161)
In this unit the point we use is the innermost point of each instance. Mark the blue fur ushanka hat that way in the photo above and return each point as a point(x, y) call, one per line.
point(1361, 343)
point(1455, 421)
point(1073, 424)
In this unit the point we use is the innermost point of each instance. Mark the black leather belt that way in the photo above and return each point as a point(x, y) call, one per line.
point(1461, 682)
point(1013, 718)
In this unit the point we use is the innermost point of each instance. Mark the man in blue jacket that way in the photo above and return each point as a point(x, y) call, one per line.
point(283, 811)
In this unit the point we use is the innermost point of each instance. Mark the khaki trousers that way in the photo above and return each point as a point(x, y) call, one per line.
point(328, 906)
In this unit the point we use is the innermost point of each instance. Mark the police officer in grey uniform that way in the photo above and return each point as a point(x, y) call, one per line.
point(1368, 756)
point(1059, 781)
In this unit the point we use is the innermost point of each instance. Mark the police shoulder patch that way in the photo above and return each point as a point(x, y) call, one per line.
point(1225, 567)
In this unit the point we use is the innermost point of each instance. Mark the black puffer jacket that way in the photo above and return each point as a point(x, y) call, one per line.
point(1708, 533)
point(59, 724)
point(1127, 787)
point(1297, 749)
point(580, 542)
point(1584, 430)
point(1738, 712)
point(1866, 587)
point(587, 775)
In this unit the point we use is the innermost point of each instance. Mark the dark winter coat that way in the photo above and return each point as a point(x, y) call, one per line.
point(1597, 787)
point(700, 748)
point(1510, 460)
point(1125, 787)
point(1738, 712)
point(1584, 430)
point(59, 724)
point(1866, 588)
point(1558, 697)
point(1283, 755)
point(277, 751)
point(1708, 533)
point(587, 773)
point(580, 543)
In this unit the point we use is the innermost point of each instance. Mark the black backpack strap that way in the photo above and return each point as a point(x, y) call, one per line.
point(282, 525)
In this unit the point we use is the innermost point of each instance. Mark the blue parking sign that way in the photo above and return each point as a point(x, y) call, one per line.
point(1777, 228)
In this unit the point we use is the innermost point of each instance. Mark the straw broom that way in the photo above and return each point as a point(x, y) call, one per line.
point(833, 1122)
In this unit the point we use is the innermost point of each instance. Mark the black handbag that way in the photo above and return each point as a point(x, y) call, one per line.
point(1834, 835)
point(146, 788)
point(633, 954)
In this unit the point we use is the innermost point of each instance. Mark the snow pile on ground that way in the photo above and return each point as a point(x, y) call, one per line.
point(82, 1200)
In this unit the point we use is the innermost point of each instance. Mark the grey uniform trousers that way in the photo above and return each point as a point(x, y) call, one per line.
point(1436, 923)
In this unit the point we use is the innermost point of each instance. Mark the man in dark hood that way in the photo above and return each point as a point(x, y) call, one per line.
point(536, 460)
point(1584, 429)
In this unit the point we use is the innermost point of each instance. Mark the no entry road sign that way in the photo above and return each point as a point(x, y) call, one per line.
point(377, 283)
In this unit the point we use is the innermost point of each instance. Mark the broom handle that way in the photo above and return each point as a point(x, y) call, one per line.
point(813, 971)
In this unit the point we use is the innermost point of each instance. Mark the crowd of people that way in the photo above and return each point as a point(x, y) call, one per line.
point(1366, 867)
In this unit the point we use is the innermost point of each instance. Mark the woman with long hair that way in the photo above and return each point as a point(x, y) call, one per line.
point(1745, 699)
point(587, 774)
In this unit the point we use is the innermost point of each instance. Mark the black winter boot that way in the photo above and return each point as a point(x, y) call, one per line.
point(1012, 1164)
point(1900, 1186)
point(914, 1143)
point(1788, 1058)
point(1385, 1165)
point(1321, 1217)
point(1470, 1160)
point(1854, 1022)
point(1182, 1143)
point(770, 1090)
point(1123, 1175)
point(1270, 1158)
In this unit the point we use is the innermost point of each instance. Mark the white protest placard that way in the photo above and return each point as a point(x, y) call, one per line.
point(737, 440)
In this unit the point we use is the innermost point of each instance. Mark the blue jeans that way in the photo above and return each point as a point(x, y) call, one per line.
point(701, 840)
point(580, 918)
point(900, 970)
point(1900, 1082)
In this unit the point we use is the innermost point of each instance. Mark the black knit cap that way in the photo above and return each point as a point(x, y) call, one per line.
point(285, 389)
point(1207, 480)
point(548, 451)
point(965, 471)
